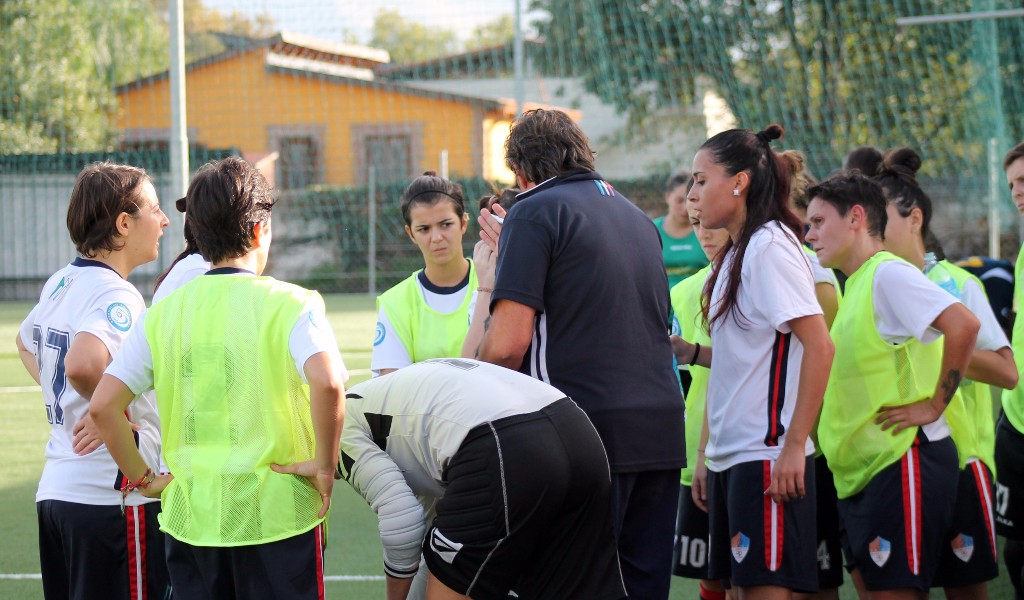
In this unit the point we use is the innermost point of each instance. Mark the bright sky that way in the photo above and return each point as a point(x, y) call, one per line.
point(330, 19)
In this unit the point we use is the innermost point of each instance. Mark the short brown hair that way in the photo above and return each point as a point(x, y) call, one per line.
point(547, 143)
point(225, 200)
point(102, 192)
point(1012, 156)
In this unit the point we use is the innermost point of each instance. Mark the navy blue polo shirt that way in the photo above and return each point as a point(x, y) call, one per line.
point(589, 262)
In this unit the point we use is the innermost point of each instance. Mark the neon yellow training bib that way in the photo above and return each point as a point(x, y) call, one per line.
point(232, 403)
point(424, 332)
point(867, 374)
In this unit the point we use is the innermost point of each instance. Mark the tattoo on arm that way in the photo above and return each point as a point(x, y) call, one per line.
point(949, 384)
point(487, 325)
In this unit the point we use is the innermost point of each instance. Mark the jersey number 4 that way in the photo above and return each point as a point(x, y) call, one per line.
point(59, 341)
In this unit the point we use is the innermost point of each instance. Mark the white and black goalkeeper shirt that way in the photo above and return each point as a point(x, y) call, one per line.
point(402, 430)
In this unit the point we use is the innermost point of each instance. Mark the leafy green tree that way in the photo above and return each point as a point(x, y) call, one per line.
point(203, 24)
point(836, 73)
point(410, 42)
point(493, 33)
point(59, 62)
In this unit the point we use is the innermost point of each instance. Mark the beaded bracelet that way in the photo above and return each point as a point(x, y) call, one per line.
point(141, 484)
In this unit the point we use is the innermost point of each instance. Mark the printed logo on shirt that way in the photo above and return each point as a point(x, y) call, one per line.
point(379, 336)
point(676, 329)
point(444, 547)
point(312, 320)
point(879, 550)
point(740, 546)
point(963, 547)
point(65, 283)
point(119, 316)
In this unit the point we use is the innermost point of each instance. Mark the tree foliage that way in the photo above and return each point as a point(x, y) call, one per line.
point(203, 24)
point(59, 62)
point(493, 33)
point(410, 42)
point(836, 73)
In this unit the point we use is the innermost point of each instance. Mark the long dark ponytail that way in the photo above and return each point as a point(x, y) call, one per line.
point(190, 248)
point(767, 200)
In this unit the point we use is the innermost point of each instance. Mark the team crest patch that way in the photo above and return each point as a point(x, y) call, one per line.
point(740, 546)
point(879, 549)
point(444, 547)
point(963, 547)
point(119, 316)
point(378, 337)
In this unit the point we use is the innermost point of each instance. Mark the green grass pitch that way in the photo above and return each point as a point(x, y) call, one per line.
point(353, 560)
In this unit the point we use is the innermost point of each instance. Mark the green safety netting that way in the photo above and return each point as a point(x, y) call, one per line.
point(305, 90)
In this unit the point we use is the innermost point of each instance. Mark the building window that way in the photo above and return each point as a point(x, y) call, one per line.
point(390, 156)
point(394, 150)
point(301, 159)
point(298, 163)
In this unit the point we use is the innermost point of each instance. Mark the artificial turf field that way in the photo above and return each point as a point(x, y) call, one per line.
point(353, 560)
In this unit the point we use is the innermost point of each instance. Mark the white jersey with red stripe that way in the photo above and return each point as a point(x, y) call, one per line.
point(755, 371)
point(84, 297)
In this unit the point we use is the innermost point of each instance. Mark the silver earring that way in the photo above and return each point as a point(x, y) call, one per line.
point(736, 191)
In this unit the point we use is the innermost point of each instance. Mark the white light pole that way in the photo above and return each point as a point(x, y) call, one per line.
point(178, 134)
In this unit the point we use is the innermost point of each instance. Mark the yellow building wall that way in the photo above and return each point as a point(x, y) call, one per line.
point(236, 102)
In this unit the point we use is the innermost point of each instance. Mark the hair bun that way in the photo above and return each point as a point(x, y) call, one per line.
point(866, 159)
point(772, 132)
point(901, 162)
point(430, 173)
point(794, 160)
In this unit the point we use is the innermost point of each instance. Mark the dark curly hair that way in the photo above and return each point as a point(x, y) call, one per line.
point(547, 143)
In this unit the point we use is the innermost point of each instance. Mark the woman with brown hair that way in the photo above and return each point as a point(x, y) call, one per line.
point(94, 542)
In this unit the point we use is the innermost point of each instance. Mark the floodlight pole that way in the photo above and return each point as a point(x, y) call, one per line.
point(996, 84)
point(517, 57)
point(178, 134)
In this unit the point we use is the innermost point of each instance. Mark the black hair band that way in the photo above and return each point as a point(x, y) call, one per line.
point(435, 192)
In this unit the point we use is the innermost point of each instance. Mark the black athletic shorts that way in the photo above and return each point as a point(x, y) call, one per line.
point(527, 508)
point(88, 551)
point(690, 553)
point(755, 541)
point(1009, 480)
point(830, 547)
point(288, 569)
point(969, 553)
point(895, 527)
